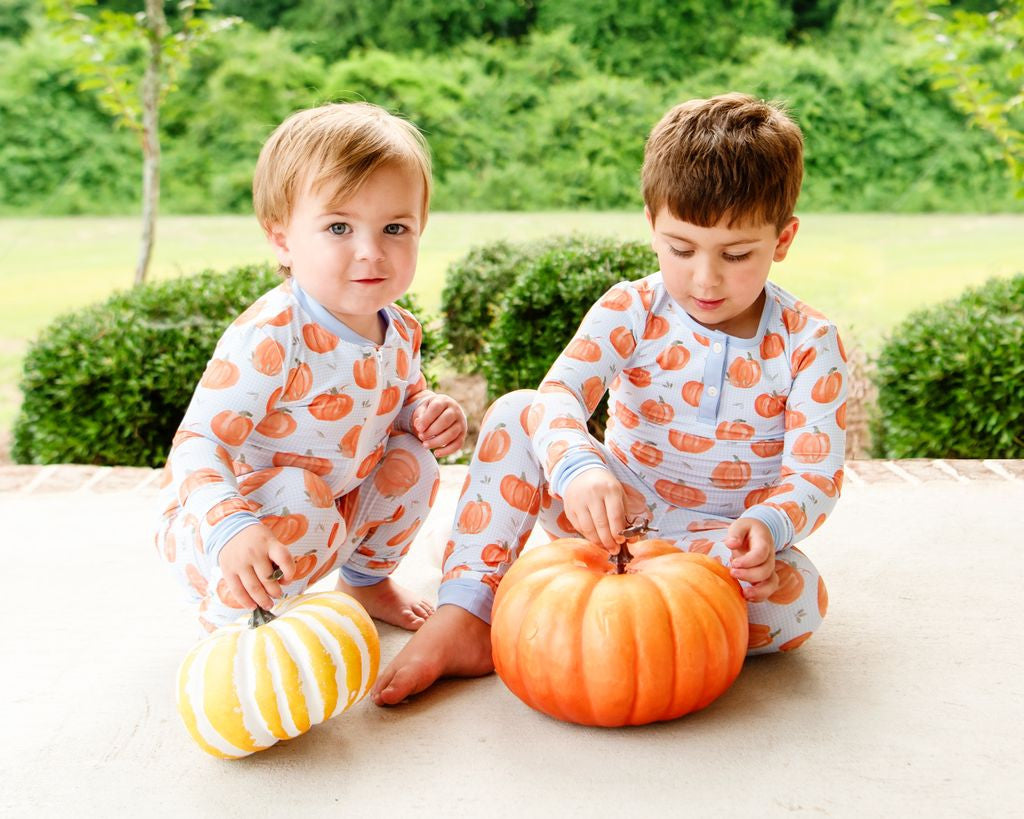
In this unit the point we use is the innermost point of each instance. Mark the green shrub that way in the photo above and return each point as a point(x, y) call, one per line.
point(951, 378)
point(543, 308)
point(109, 384)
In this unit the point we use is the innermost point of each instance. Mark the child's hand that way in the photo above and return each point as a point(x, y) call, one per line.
point(440, 424)
point(245, 562)
point(596, 507)
point(753, 558)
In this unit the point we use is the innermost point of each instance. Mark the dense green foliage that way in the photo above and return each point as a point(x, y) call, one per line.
point(951, 378)
point(540, 312)
point(109, 384)
point(527, 104)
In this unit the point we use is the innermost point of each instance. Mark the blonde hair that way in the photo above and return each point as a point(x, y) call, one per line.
point(728, 156)
point(337, 145)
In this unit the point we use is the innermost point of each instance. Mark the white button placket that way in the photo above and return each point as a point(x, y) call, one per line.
point(714, 375)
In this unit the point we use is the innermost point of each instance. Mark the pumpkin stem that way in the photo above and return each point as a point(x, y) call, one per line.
point(260, 617)
point(622, 559)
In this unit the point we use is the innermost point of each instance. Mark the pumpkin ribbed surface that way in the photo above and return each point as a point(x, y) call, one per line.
point(242, 689)
point(576, 640)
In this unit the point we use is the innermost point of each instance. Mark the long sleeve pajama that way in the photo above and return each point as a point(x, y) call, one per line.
point(704, 428)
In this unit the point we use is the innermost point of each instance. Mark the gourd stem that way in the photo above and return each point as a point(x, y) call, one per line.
point(260, 617)
point(622, 558)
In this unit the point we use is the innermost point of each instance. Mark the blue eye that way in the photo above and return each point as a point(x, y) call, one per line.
point(394, 229)
point(730, 258)
point(339, 228)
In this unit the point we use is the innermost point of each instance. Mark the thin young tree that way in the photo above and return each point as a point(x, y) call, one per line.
point(131, 63)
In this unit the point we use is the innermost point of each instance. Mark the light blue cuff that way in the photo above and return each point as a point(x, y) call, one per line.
point(471, 595)
point(227, 529)
point(354, 577)
point(572, 465)
point(776, 520)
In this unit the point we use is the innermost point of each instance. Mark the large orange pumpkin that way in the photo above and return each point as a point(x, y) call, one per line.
point(605, 641)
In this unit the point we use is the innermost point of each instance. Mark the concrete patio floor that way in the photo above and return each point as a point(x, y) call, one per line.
point(909, 701)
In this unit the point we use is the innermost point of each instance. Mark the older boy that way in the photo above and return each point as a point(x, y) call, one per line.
point(306, 444)
point(727, 402)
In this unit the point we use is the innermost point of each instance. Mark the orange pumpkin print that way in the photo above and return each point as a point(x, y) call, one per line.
point(520, 494)
point(494, 554)
point(583, 349)
point(821, 482)
point(794, 512)
point(347, 505)
point(657, 411)
point(286, 527)
point(842, 349)
point(655, 327)
point(692, 391)
point(318, 339)
point(794, 419)
point(706, 525)
point(350, 441)
point(802, 358)
point(704, 341)
point(388, 400)
point(433, 492)
point(406, 534)
point(318, 466)
point(402, 364)
point(794, 321)
point(593, 391)
point(759, 636)
point(744, 372)
point(268, 357)
point(300, 381)
point(812, 447)
point(257, 479)
point(646, 453)
point(626, 416)
point(554, 386)
point(772, 345)
point(767, 449)
point(638, 376)
point(617, 299)
point(568, 422)
point(762, 494)
point(673, 357)
point(563, 523)
point(324, 569)
point(330, 406)
point(733, 474)
point(701, 546)
point(837, 479)
point(371, 526)
point(200, 477)
point(249, 313)
point(555, 452)
point(455, 572)
point(841, 416)
point(646, 294)
point(679, 494)
point(279, 424)
point(688, 442)
point(734, 431)
point(399, 471)
point(796, 642)
point(448, 549)
point(822, 597)
point(623, 341)
point(817, 524)
point(465, 485)
point(494, 445)
point(304, 565)
point(474, 517)
point(231, 427)
point(826, 389)
point(534, 415)
point(769, 405)
point(219, 374)
point(364, 372)
point(618, 453)
point(281, 319)
point(226, 508)
point(319, 493)
point(791, 584)
point(225, 596)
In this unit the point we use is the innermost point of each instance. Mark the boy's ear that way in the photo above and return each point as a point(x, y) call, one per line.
point(786, 237)
point(279, 242)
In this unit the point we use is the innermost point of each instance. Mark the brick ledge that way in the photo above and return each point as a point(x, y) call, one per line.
point(107, 479)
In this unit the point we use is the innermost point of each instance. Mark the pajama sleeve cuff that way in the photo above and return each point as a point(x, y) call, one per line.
point(571, 466)
point(354, 577)
point(472, 595)
point(777, 521)
point(227, 529)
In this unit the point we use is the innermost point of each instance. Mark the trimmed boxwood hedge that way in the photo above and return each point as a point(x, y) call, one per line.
point(109, 384)
point(951, 378)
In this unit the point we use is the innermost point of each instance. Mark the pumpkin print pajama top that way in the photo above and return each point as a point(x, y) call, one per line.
point(703, 428)
point(303, 425)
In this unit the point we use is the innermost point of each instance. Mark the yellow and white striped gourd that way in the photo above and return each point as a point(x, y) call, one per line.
point(242, 689)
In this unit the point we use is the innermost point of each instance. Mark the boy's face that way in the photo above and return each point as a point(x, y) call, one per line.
point(717, 273)
point(357, 256)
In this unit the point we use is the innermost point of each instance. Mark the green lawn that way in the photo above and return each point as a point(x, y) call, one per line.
point(864, 271)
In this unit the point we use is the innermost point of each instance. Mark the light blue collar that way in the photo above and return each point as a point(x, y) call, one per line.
point(325, 319)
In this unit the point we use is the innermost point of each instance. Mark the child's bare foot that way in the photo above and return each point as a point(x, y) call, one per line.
point(452, 643)
point(390, 603)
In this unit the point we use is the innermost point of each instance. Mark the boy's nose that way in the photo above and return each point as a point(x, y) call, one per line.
point(369, 250)
point(705, 273)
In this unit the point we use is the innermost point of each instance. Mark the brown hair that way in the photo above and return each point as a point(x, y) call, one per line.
point(729, 156)
point(340, 145)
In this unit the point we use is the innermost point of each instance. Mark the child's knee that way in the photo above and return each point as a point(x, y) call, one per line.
point(787, 619)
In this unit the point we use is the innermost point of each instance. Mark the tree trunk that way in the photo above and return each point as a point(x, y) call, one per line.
point(156, 27)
